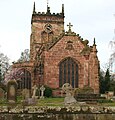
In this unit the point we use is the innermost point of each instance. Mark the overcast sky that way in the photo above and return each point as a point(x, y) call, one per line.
point(90, 18)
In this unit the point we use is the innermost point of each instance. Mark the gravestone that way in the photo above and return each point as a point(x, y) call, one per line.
point(12, 91)
point(42, 89)
point(2, 94)
point(30, 100)
point(26, 93)
point(69, 99)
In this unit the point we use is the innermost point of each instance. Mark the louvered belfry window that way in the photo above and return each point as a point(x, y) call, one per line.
point(68, 72)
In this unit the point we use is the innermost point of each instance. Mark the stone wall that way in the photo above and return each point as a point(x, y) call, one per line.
point(57, 117)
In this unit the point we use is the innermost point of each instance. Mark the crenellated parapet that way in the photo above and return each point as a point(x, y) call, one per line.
point(44, 16)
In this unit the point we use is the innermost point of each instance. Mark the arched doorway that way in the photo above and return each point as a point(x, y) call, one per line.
point(24, 80)
point(68, 72)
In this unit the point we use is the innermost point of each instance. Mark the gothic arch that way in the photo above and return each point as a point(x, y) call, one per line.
point(72, 59)
point(69, 72)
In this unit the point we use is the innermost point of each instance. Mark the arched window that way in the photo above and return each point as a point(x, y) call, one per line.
point(46, 36)
point(24, 79)
point(68, 72)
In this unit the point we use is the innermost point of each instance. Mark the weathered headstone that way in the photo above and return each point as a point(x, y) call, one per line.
point(42, 89)
point(26, 93)
point(12, 91)
point(2, 94)
point(69, 99)
point(28, 100)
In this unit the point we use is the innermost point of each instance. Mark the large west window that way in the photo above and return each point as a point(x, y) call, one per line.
point(68, 72)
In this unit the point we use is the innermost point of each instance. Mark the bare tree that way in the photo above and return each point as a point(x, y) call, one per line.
point(112, 56)
point(25, 56)
point(4, 64)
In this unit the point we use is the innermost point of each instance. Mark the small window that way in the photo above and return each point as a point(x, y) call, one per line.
point(69, 45)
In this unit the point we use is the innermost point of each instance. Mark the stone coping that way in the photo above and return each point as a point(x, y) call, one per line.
point(57, 110)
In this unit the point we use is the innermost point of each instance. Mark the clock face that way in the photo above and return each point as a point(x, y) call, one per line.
point(48, 28)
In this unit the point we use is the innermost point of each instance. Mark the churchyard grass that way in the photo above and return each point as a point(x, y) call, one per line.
point(41, 102)
point(54, 102)
point(60, 102)
point(109, 104)
point(51, 102)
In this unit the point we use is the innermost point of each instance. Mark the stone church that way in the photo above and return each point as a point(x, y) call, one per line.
point(58, 56)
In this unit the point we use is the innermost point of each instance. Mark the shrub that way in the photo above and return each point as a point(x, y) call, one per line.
point(48, 92)
point(37, 92)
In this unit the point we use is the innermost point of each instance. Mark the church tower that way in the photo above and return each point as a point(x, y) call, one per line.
point(45, 26)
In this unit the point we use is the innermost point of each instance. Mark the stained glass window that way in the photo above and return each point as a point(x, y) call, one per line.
point(68, 72)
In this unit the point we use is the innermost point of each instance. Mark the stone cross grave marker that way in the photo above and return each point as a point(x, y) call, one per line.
point(42, 89)
point(34, 91)
point(69, 99)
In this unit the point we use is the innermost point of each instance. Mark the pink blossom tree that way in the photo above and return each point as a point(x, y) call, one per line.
point(13, 73)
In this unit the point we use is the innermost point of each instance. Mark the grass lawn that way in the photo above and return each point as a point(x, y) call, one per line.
point(108, 104)
point(60, 102)
point(41, 102)
point(51, 102)
point(57, 102)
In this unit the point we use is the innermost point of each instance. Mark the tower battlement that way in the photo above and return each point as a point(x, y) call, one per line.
point(44, 16)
